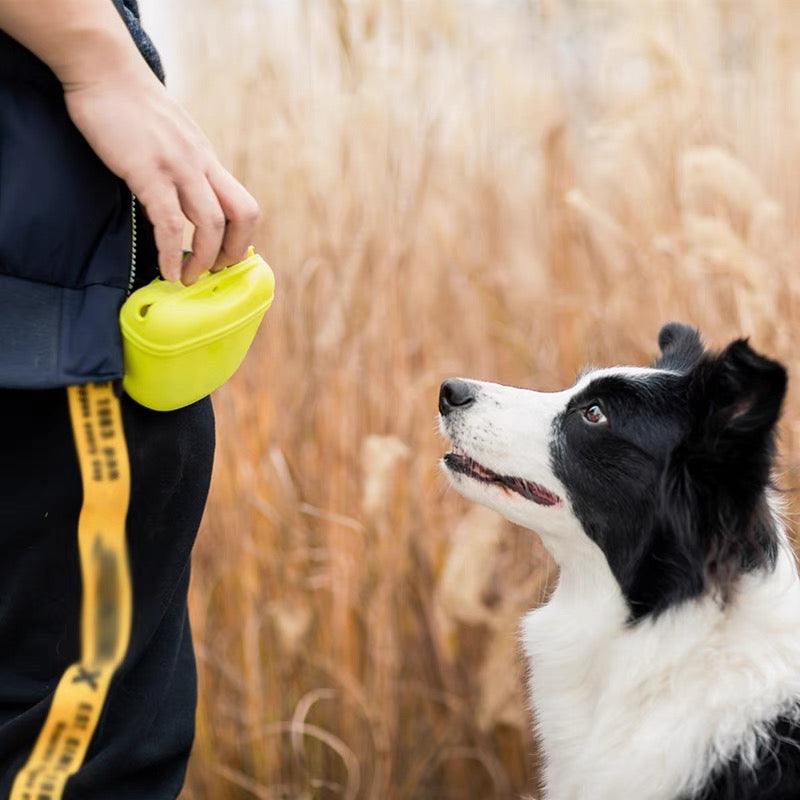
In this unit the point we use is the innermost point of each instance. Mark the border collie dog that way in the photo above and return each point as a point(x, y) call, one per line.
point(666, 665)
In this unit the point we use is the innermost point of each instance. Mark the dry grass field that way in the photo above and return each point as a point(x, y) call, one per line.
point(507, 190)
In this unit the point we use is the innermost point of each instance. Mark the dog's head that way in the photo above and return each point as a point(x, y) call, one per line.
point(664, 468)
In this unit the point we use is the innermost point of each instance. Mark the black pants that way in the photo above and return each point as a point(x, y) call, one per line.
point(142, 742)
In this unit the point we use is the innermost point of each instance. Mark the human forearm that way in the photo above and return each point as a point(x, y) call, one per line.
point(79, 40)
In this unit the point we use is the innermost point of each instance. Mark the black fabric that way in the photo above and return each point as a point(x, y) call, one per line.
point(129, 11)
point(65, 223)
point(64, 342)
point(142, 742)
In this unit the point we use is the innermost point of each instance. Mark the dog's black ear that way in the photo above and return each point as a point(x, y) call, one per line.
point(711, 519)
point(722, 468)
point(680, 345)
point(734, 400)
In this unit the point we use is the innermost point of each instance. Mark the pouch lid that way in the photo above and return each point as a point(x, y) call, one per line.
point(167, 318)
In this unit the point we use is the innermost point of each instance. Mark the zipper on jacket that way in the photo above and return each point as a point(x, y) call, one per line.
point(132, 271)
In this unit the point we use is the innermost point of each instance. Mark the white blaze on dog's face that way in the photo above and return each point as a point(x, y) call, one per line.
point(502, 439)
point(661, 471)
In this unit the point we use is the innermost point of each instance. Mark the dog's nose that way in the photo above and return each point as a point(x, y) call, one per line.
point(454, 393)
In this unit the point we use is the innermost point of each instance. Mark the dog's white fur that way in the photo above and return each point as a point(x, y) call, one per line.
point(642, 712)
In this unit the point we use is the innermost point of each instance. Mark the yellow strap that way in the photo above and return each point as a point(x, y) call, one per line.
point(106, 605)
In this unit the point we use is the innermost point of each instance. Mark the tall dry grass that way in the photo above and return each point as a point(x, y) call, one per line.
point(504, 190)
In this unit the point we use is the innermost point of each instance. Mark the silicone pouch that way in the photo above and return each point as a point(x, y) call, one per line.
point(182, 342)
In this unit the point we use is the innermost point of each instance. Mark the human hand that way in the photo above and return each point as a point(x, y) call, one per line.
point(146, 138)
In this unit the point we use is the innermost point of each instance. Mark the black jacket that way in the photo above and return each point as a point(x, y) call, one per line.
point(66, 233)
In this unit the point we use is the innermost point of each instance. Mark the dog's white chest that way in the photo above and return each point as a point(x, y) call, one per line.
point(597, 733)
point(648, 712)
point(600, 741)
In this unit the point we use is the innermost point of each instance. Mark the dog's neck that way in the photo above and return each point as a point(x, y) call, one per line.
point(666, 692)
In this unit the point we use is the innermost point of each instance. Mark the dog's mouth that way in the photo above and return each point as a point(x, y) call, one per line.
point(458, 461)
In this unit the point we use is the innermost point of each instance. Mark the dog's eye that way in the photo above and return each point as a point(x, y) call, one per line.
point(594, 414)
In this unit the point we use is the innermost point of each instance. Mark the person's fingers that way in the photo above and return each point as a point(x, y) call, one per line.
point(160, 201)
point(202, 208)
point(223, 213)
point(241, 214)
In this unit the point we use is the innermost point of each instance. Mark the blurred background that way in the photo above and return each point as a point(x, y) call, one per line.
point(503, 189)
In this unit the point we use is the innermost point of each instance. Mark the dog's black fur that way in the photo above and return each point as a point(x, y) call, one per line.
point(707, 464)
